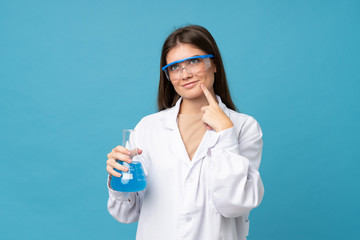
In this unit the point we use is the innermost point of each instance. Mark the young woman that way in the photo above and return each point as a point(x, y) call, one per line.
point(201, 157)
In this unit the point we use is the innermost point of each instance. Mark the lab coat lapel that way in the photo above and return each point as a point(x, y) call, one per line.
point(209, 140)
point(170, 122)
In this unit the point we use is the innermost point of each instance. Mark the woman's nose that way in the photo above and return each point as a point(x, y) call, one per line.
point(185, 73)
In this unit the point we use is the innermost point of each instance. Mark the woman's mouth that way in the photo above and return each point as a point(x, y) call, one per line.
point(190, 84)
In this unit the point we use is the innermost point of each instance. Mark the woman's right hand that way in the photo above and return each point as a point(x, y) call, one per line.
point(118, 153)
point(122, 154)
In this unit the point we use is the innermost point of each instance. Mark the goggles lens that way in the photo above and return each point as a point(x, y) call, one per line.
point(193, 65)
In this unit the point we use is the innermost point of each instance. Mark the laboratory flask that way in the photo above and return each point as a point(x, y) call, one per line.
point(134, 179)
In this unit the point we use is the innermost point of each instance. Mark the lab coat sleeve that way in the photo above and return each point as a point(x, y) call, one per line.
point(236, 185)
point(124, 207)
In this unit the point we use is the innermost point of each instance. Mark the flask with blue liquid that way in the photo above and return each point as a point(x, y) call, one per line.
point(134, 179)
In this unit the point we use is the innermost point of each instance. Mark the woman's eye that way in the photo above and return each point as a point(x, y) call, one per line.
point(194, 60)
point(173, 67)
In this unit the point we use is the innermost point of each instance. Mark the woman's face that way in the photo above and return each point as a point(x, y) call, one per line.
point(188, 86)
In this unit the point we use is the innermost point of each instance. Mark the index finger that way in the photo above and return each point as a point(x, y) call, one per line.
point(207, 94)
point(122, 149)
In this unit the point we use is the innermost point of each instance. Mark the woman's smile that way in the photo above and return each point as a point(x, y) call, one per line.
point(190, 84)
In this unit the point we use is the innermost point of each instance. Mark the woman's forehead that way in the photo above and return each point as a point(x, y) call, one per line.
point(182, 51)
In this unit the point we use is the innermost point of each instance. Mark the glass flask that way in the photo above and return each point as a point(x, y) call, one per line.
point(134, 179)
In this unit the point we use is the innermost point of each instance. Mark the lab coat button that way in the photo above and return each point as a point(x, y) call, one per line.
point(191, 180)
point(188, 219)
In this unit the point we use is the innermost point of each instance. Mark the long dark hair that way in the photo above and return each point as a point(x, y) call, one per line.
point(202, 39)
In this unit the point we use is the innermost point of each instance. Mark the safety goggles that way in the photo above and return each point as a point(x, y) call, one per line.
point(193, 65)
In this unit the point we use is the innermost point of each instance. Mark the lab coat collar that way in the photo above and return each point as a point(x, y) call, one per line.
point(210, 138)
point(170, 115)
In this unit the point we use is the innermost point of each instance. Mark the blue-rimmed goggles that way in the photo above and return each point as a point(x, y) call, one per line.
point(193, 65)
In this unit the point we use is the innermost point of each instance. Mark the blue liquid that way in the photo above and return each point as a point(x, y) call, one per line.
point(133, 180)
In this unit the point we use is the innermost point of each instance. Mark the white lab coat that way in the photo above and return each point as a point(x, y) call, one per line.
point(207, 198)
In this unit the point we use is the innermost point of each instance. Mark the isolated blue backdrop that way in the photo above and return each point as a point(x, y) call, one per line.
point(74, 73)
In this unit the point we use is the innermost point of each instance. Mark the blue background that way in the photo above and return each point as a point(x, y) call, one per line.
point(73, 74)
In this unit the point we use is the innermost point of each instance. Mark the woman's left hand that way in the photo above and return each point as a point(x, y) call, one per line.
point(213, 116)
